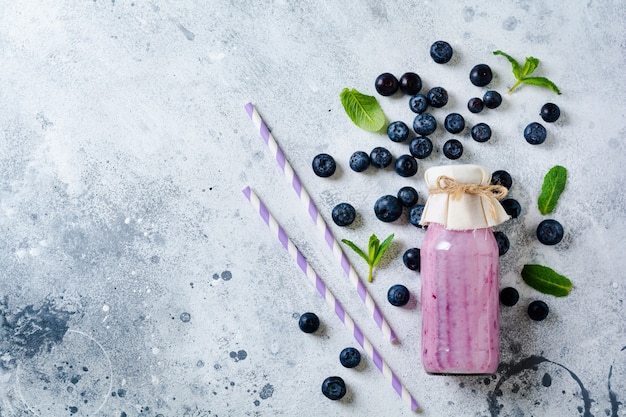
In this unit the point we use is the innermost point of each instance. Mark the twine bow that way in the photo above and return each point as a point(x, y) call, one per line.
point(456, 190)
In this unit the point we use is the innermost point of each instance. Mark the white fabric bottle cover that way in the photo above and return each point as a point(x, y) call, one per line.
point(469, 210)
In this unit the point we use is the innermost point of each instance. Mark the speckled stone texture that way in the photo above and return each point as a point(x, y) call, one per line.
point(136, 280)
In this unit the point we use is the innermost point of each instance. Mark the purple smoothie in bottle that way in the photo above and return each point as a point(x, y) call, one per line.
point(459, 271)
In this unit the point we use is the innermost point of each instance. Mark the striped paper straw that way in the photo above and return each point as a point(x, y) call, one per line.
point(330, 299)
point(320, 224)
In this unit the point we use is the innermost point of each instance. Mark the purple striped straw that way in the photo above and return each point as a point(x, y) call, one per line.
point(330, 299)
point(323, 229)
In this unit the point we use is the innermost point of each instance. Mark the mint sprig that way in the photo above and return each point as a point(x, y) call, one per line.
point(375, 251)
point(553, 186)
point(363, 110)
point(546, 280)
point(522, 74)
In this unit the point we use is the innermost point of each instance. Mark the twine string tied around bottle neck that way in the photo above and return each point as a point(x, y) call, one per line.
point(456, 190)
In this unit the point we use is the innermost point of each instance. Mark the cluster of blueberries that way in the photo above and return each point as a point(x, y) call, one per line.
point(333, 387)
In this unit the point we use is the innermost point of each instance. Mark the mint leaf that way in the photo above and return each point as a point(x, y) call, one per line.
point(375, 250)
point(363, 110)
point(542, 81)
point(522, 75)
point(546, 280)
point(553, 186)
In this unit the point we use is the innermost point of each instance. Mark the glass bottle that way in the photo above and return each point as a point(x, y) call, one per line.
point(459, 271)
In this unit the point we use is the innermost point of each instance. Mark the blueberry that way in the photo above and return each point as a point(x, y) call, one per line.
point(441, 52)
point(411, 259)
point(509, 296)
point(386, 84)
point(437, 97)
point(481, 75)
point(380, 157)
point(550, 112)
point(492, 99)
point(538, 310)
point(343, 214)
point(475, 105)
point(406, 166)
point(410, 83)
point(535, 133)
point(309, 322)
point(350, 357)
point(398, 295)
point(421, 147)
point(418, 103)
point(359, 161)
point(512, 207)
point(503, 242)
point(324, 165)
point(415, 215)
point(502, 178)
point(454, 123)
point(549, 232)
point(424, 124)
point(334, 388)
point(398, 131)
point(453, 149)
point(481, 132)
point(388, 208)
point(408, 196)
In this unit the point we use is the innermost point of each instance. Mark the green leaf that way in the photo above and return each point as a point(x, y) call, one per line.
point(363, 110)
point(357, 250)
point(373, 247)
point(530, 66)
point(514, 64)
point(383, 248)
point(542, 81)
point(546, 280)
point(553, 186)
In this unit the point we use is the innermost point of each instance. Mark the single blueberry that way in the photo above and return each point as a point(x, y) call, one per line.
point(410, 83)
point(334, 388)
point(509, 296)
point(386, 84)
point(350, 357)
point(380, 157)
point(418, 103)
point(492, 99)
point(398, 295)
point(441, 52)
point(503, 242)
point(421, 147)
point(502, 178)
point(424, 124)
point(343, 214)
point(481, 132)
point(411, 259)
point(481, 75)
point(454, 123)
point(406, 166)
point(388, 208)
point(309, 322)
point(324, 165)
point(453, 149)
point(512, 207)
point(398, 131)
point(359, 161)
point(550, 112)
point(535, 133)
point(437, 97)
point(475, 105)
point(538, 310)
point(408, 196)
point(415, 215)
point(550, 232)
